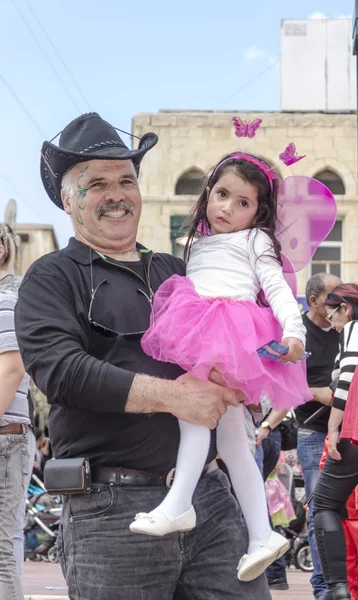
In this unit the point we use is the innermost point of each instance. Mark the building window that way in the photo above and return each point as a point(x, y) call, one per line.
point(328, 257)
point(24, 238)
point(177, 235)
point(190, 183)
point(332, 181)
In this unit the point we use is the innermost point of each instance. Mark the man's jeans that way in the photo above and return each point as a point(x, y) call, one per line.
point(19, 527)
point(102, 560)
point(271, 447)
point(309, 450)
point(267, 456)
point(14, 464)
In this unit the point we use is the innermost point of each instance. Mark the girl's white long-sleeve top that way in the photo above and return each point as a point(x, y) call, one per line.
point(237, 266)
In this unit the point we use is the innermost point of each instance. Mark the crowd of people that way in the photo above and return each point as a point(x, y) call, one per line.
point(156, 388)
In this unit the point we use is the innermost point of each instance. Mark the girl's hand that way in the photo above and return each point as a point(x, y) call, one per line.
point(295, 349)
point(333, 440)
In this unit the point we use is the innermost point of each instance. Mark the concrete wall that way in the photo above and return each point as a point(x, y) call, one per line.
point(318, 70)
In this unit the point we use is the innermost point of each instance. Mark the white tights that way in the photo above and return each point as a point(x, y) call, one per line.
point(233, 448)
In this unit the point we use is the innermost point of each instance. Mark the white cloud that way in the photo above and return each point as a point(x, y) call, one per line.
point(317, 15)
point(321, 15)
point(254, 52)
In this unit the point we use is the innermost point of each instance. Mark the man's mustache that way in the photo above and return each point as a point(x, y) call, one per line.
point(121, 205)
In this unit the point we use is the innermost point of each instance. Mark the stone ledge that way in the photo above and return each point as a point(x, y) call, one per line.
point(45, 597)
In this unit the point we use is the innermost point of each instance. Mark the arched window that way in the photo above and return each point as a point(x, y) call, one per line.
point(331, 180)
point(190, 182)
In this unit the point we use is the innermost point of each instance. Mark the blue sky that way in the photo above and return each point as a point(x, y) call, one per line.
point(120, 58)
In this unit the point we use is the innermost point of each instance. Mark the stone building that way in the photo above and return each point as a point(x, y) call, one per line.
point(35, 241)
point(190, 142)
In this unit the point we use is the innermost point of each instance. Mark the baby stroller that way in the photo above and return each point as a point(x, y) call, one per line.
point(299, 553)
point(43, 513)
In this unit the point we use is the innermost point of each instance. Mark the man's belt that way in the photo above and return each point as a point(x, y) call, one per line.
point(122, 476)
point(14, 428)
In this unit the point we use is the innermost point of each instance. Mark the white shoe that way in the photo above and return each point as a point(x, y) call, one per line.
point(253, 565)
point(159, 523)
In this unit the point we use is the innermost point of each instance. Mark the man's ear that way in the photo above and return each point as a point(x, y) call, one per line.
point(66, 202)
point(313, 300)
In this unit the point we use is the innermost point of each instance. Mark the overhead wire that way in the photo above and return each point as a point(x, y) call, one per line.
point(54, 70)
point(19, 101)
point(19, 194)
point(48, 38)
point(251, 81)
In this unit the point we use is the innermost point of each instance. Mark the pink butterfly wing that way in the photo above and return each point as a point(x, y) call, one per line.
point(306, 213)
point(289, 274)
point(240, 126)
point(252, 127)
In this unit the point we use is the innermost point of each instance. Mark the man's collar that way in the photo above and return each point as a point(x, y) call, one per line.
point(81, 253)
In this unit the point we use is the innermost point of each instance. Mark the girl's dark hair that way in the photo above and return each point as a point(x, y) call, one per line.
point(347, 293)
point(266, 215)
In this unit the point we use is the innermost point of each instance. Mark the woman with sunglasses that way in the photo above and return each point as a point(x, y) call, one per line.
point(340, 473)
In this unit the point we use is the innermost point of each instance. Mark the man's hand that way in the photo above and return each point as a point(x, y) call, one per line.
point(187, 398)
point(323, 395)
point(261, 434)
point(216, 377)
point(295, 349)
point(46, 447)
point(201, 402)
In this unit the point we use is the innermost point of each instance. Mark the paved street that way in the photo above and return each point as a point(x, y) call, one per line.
point(45, 581)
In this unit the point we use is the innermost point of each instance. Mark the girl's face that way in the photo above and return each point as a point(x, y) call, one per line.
point(338, 317)
point(232, 204)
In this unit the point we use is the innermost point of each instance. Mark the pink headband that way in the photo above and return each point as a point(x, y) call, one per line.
point(270, 174)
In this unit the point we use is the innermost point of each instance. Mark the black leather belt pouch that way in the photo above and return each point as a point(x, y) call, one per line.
point(67, 476)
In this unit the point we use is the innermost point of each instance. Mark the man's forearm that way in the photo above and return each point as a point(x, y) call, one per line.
point(11, 374)
point(276, 417)
point(149, 395)
point(322, 395)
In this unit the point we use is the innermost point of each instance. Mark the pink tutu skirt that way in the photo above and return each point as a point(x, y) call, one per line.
point(201, 333)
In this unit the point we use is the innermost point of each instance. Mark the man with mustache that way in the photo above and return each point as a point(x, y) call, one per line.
point(80, 316)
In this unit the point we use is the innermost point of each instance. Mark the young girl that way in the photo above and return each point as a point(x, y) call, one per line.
point(213, 319)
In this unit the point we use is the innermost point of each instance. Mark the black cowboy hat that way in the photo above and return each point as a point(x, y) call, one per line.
point(86, 138)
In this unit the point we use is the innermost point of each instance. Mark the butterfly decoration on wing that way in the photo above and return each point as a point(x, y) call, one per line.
point(246, 128)
point(289, 156)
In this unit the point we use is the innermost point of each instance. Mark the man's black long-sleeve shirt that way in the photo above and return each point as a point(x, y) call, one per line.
point(324, 346)
point(85, 373)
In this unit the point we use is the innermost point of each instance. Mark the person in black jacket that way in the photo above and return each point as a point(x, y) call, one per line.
point(80, 316)
point(322, 342)
point(339, 475)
